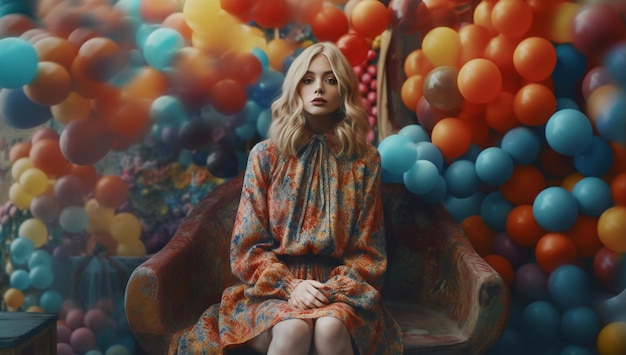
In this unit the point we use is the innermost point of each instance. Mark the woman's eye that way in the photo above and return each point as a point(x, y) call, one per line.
point(332, 81)
point(307, 80)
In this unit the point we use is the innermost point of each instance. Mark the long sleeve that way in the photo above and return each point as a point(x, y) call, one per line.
point(358, 280)
point(251, 256)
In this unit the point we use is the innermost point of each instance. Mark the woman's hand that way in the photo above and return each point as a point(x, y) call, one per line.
point(309, 294)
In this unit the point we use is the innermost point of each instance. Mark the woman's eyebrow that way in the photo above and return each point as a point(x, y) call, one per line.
point(330, 72)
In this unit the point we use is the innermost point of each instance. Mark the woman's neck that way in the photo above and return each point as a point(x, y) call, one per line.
point(321, 125)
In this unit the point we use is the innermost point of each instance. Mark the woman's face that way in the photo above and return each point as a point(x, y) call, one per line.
point(319, 90)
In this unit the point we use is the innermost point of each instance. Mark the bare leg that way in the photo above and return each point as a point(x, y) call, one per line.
point(331, 337)
point(292, 336)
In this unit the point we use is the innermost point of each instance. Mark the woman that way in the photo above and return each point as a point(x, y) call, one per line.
point(308, 241)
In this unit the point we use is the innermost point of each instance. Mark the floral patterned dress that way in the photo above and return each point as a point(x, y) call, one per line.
point(314, 216)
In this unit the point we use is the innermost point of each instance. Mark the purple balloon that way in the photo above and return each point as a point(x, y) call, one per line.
point(70, 190)
point(531, 282)
point(85, 141)
point(513, 252)
point(45, 207)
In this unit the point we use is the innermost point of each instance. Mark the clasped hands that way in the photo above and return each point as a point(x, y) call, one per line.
point(309, 294)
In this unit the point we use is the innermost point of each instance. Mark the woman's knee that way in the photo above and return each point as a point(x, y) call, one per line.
point(329, 330)
point(292, 333)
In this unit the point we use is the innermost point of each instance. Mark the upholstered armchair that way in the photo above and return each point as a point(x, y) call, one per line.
point(447, 299)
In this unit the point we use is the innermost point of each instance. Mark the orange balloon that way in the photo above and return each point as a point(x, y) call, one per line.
point(452, 136)
point(570, 180)
point(584, 234)
point(147, 83)
point(479, 80)
point(499, 113)
point(482, 15)
point(619, 158)
point(474, 39)
point(277, 50)
point(534, 104)
point(100, 59)
point(56, 49)
point(155, 11)
point(14, 24)
point(524, 185)
point(522, 227)
point(329, 24)
point(19, 150)
point(369, 18)
point(46, 155)
point(500, 51)
point(479, 234)
point(51, 85)
point(511, 18)
point(416, 63)
point(270, 14)
point(176, 21)
point(534, 58)
point(110, 191)
point(305, 11)
point(480, 131)
point(88, 88)
point(554, 250)
point(87, 174)
point(502, 266)
point(618, 189)
point(411, 91)
point(130, 121)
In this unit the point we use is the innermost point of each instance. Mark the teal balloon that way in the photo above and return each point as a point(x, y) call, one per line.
point(41, 277)
point(168, 110)
point(73, 219)
point(20, 280)
point(398, 153)
point(51, 301)
point(416, 132)
point(422, 177)
point(21, 248)
point(555, 209)
point(18, 62)
point(39, 257)
point(161, 46)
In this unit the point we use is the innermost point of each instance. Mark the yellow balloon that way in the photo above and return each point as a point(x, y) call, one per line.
point(33, 181)
point(74, 107)
point(612, 339)
point(277, 50)
point(612, 228)
point(125, 228)
point(200, 13)
point(19, 198)
point(132, 248)
point(560, 24)
point(35, 230)
point(13, 298)
point(35, 309)
point(570, 180)
point(600, 98)
point(19, 166)
point(99, 217)
point(442, 46)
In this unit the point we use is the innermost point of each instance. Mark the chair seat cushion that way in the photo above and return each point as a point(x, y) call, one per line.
point(424, 328)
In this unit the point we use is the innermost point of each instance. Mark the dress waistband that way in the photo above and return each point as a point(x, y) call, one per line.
point(310, 259)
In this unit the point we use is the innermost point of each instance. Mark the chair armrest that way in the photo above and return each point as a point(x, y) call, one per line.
point(169, 291)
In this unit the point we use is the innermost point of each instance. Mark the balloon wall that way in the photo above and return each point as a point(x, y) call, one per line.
point(518, 130)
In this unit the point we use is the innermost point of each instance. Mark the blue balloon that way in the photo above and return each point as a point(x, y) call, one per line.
point(392, 178)
point(168, 110)
point(569, 132)
point(494, 166)
point(471, 154)
point(263, 122)
point(580, 326)
point(421, 178)
point(430, 152)
point(41, 277)
point(397, 153)
point(611, 121)
point(20, 280)
point(416, 132)
point(245, 131)
point(262, 57)
point(494, 210)
point(522, 144)
point(569, 286)
point(615, 64)
point(566, 102)
point(596, 160)
point(40, 257)
point(461, 178)
point(571, 65)
point(51, 301)
point(73, 219)
point(267, 88)
point(593, 196)
point(461, 208)
point(21, 248)
point(18, 111)
point(555, 209)
point(143, 31)
point(541, 321)
point(18, 62)
point(161, 46)
point(575, 350)
point(437, 194)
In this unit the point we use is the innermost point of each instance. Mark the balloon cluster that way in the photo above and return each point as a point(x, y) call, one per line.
point(519, 136)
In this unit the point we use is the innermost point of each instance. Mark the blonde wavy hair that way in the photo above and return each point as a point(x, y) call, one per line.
point(287, 129)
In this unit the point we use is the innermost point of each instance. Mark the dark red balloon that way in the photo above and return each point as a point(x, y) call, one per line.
point(595, 28)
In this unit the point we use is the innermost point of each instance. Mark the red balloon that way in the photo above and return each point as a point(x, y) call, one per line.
point(330, 24)
point(605, 265)
point(238, 8)
point(354, 46)
point(229, 96)
point(554, 250)
point(595, 28)
point(45, 154)
point(270, 13)
point(110, 191)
